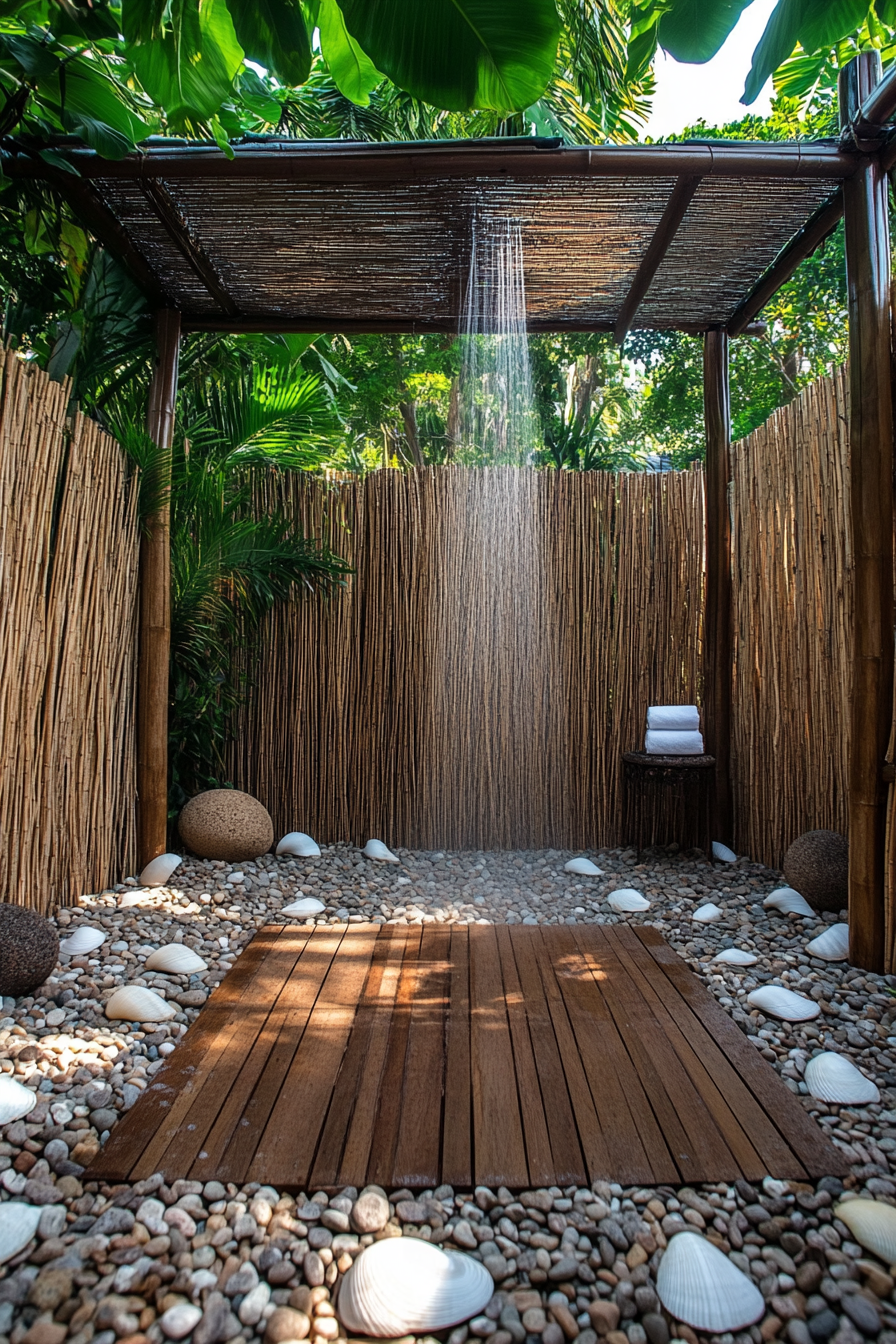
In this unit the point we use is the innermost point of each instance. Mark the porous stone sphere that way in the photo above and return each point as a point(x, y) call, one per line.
point(29, 949)
point(226, 824)
point(817, 866)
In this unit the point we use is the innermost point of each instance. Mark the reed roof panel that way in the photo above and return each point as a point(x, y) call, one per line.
point(319, 237)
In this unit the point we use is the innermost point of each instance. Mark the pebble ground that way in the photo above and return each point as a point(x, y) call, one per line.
point(212, 1264)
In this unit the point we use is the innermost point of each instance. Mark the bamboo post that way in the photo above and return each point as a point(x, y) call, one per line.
point(871, 494)
point(155, 607)
point(717, 621)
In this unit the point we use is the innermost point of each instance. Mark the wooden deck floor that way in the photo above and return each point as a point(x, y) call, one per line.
point(493, 1055)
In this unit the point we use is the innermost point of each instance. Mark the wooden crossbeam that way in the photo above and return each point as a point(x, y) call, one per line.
point(190, 248)
point(674, 213)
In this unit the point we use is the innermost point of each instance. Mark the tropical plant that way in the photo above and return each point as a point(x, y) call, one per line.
point(229, 565)
point(804, 40)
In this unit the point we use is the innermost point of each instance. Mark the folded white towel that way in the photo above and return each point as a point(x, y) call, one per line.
point(673, 744)
point(674, 718)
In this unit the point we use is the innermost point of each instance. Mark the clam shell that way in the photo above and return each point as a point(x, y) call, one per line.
point(784, 1003)
point(699, 1285)
point(175, 959)
point(833, 1077)
point(84, 939)
point(375, 849)
point(788, 901)
point(299, 844)
point(135, 1003)
point(305, 906)
point(873, 1225)
point(627, 901)
point(405, 1286)
point(736, 956)
point(708, 913)
point(16, 1101)
point(832, 944)
point(722, 854)
point(158, 870)
point(584, 867)
point(18, 1224)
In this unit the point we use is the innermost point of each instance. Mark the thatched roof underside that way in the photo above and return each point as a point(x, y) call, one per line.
point(314, 238)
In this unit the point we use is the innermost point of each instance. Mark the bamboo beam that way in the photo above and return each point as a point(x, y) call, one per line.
point(871, 500)
point(674, 213)
point(877, 109)
point(802, 245)
point(190, 248)
point(352, 162)
point(718, 619)
point(155, 606)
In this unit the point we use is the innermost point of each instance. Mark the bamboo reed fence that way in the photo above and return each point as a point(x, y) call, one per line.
point(792, 559)
point(494, 654)
point(69, 542)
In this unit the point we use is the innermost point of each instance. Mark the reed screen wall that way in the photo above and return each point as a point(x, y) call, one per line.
point(792, 565)
point(380, 712)
point(69, 543)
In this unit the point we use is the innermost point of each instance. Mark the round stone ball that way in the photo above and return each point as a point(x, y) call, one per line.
point(29, 950)
point(226, 824)
point(817, 866)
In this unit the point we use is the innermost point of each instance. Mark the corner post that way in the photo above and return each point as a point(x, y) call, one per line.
point(871, 505)
point(155, 606)
point(718, 661)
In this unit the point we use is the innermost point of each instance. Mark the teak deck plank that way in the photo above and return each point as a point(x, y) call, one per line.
point(286, 1024)
point(388, 1113)
point(561, 1109)
point(457, 1129)
point(374, 1010)
point(693, 1140)
point(464, 1054)
point(379, 1022)
point(286, 1149)
point(803, 1136)
point(420, 1127)
point(622, 1101)
point(498, 1149)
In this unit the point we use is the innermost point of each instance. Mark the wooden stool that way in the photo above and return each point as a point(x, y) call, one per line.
point(668, 800)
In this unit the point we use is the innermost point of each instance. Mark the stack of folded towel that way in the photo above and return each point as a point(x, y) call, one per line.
point(673, 730)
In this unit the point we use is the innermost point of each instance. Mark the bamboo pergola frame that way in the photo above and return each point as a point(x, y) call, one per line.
point(698, 236)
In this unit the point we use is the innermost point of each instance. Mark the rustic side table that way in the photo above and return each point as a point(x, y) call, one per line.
point(668, 799)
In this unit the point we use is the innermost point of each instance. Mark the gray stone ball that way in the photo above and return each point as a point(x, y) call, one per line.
point(226, 824)
point(29, 950)
point(817, 866)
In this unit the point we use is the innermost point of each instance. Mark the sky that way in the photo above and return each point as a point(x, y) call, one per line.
point(685, 93)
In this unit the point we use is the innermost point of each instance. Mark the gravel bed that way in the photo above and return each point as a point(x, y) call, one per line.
point(229, 1265)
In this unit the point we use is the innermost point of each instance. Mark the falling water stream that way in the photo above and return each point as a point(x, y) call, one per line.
point(495, 624)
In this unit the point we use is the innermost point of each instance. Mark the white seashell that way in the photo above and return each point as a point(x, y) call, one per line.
point(375, 849)
point(832, 944)
point(300, 844)
point(158, 870)
point(736, 956)
point(83, 940)
point(626, 900)
point(135, 1003)
point(873, 1225)
point(708, 913)
point(699, 1285)
point(722, 853)
point(305, 906)
point(18, 1224)
point(788, 901)
point(175, 959)
point(783, 1003)
point(833, 1077)
point(584, 867)
point(405, 1286)
point(16, 1101)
